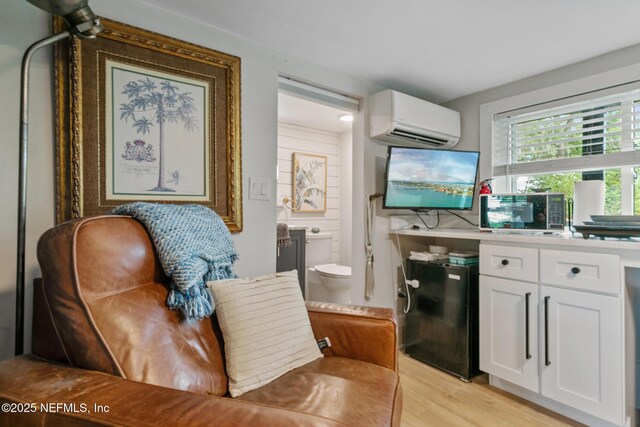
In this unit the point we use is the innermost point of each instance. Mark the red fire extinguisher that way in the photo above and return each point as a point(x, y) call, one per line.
point(485, 186)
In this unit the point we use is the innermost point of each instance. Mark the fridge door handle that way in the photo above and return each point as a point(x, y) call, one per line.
point(547, 362)
point(527, 350)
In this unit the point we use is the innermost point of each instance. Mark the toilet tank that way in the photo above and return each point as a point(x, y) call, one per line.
point(318, 248)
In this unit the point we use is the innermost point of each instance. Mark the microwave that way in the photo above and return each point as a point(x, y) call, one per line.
point(522, 212)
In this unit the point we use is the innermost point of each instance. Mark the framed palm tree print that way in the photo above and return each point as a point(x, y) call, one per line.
point(145, 117)
point(309, 183)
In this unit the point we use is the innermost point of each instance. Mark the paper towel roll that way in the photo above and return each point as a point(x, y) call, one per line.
point(588, 199)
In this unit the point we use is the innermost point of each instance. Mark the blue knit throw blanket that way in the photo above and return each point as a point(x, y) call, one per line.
point(194, 246)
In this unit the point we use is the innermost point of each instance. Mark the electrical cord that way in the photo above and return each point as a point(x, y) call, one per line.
point(405, 309)
point(369, 279)
point(461, 217)
point(425, 224)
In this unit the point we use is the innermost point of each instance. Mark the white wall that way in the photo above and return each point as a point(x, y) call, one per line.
point(22, 24)
point(300, 139)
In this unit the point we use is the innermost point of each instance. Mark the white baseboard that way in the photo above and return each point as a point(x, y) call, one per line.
point(538, 399)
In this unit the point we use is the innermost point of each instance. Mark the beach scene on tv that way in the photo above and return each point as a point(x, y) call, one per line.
point(430, 179)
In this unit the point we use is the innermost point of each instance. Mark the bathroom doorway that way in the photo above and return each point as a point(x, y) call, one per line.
point(310, 127)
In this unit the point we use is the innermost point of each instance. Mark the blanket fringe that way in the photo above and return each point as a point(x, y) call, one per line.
point(195, 303)
point(193, 245)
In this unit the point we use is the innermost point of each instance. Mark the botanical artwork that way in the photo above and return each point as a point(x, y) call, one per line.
point(145, 117)
point(309, 183)
point(157, 144)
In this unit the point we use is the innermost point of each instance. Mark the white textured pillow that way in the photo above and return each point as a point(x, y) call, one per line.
point(265, 326)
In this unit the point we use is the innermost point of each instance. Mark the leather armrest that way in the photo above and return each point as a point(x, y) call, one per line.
point(369, 334)
point(43, 393)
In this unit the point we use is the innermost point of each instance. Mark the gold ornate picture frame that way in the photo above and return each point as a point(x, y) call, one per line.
point(145, 117)
point(309, 182)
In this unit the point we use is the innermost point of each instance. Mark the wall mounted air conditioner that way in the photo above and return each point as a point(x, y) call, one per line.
point(402, 119)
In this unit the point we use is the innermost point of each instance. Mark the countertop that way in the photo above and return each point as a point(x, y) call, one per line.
point(556, 239)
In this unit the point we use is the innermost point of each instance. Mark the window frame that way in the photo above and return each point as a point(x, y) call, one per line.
point(586, 86)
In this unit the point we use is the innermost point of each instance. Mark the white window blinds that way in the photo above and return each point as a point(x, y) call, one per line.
point(586, 132)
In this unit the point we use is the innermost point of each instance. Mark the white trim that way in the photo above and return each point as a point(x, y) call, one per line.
point(626, 191)
point(317, 94)
point(571, 164)
point(548, 403)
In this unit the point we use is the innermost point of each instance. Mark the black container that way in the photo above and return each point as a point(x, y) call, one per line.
point(441, 329)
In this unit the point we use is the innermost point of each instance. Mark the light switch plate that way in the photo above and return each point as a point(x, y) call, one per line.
point(259, 188)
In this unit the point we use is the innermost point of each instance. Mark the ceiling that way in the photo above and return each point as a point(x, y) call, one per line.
point(297, 111)
point(435, 49)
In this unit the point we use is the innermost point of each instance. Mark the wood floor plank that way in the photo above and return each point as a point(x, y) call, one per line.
point(434, 398)
point(437, 416)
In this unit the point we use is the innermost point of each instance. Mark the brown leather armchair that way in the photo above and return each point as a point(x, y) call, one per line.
point(107, 351)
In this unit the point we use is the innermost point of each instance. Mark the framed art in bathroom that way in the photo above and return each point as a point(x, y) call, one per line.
point(309, 182)
point(145, 117)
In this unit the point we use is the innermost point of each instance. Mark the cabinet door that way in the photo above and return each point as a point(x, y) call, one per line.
point(581, 351)
point(293, 257)
point(508, 338)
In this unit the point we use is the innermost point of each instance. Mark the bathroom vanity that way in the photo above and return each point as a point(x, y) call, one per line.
point(293, 257)
point(556, 318)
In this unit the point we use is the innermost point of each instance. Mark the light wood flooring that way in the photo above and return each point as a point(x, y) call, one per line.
point(434, 398)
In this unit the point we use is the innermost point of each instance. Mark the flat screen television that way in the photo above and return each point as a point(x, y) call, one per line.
point(426, 178)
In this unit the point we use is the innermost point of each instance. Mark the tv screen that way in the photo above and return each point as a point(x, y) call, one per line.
point(425, 178)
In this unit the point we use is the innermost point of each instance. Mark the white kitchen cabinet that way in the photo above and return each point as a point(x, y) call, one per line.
point(592, 284)
point(574, 318)
point(581, 363)
point(509, 330)
point(509, 262)
point(582, 271)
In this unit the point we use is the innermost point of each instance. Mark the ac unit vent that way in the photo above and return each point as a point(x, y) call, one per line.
point(417, 137)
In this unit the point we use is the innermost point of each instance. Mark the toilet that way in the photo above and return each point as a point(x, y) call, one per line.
point(326, 281)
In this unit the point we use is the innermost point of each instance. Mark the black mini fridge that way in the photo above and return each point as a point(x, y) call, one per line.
point(441, 328)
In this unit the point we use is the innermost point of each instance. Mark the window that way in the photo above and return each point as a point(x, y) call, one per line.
point(563, 183)
point(591, 136)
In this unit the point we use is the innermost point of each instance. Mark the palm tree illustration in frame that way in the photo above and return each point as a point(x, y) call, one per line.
point(309, 182)
point(159, 141)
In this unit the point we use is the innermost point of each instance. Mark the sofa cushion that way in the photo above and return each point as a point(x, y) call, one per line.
point(346, 391)
point(265, 326)
point(26, 380)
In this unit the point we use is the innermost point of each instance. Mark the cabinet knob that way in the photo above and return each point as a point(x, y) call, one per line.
point(505, 262)
point(575, 270)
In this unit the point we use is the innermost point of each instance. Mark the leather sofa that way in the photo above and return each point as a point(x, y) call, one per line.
point(107, 351)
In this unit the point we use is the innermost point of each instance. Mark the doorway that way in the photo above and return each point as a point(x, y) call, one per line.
point(310, 127)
